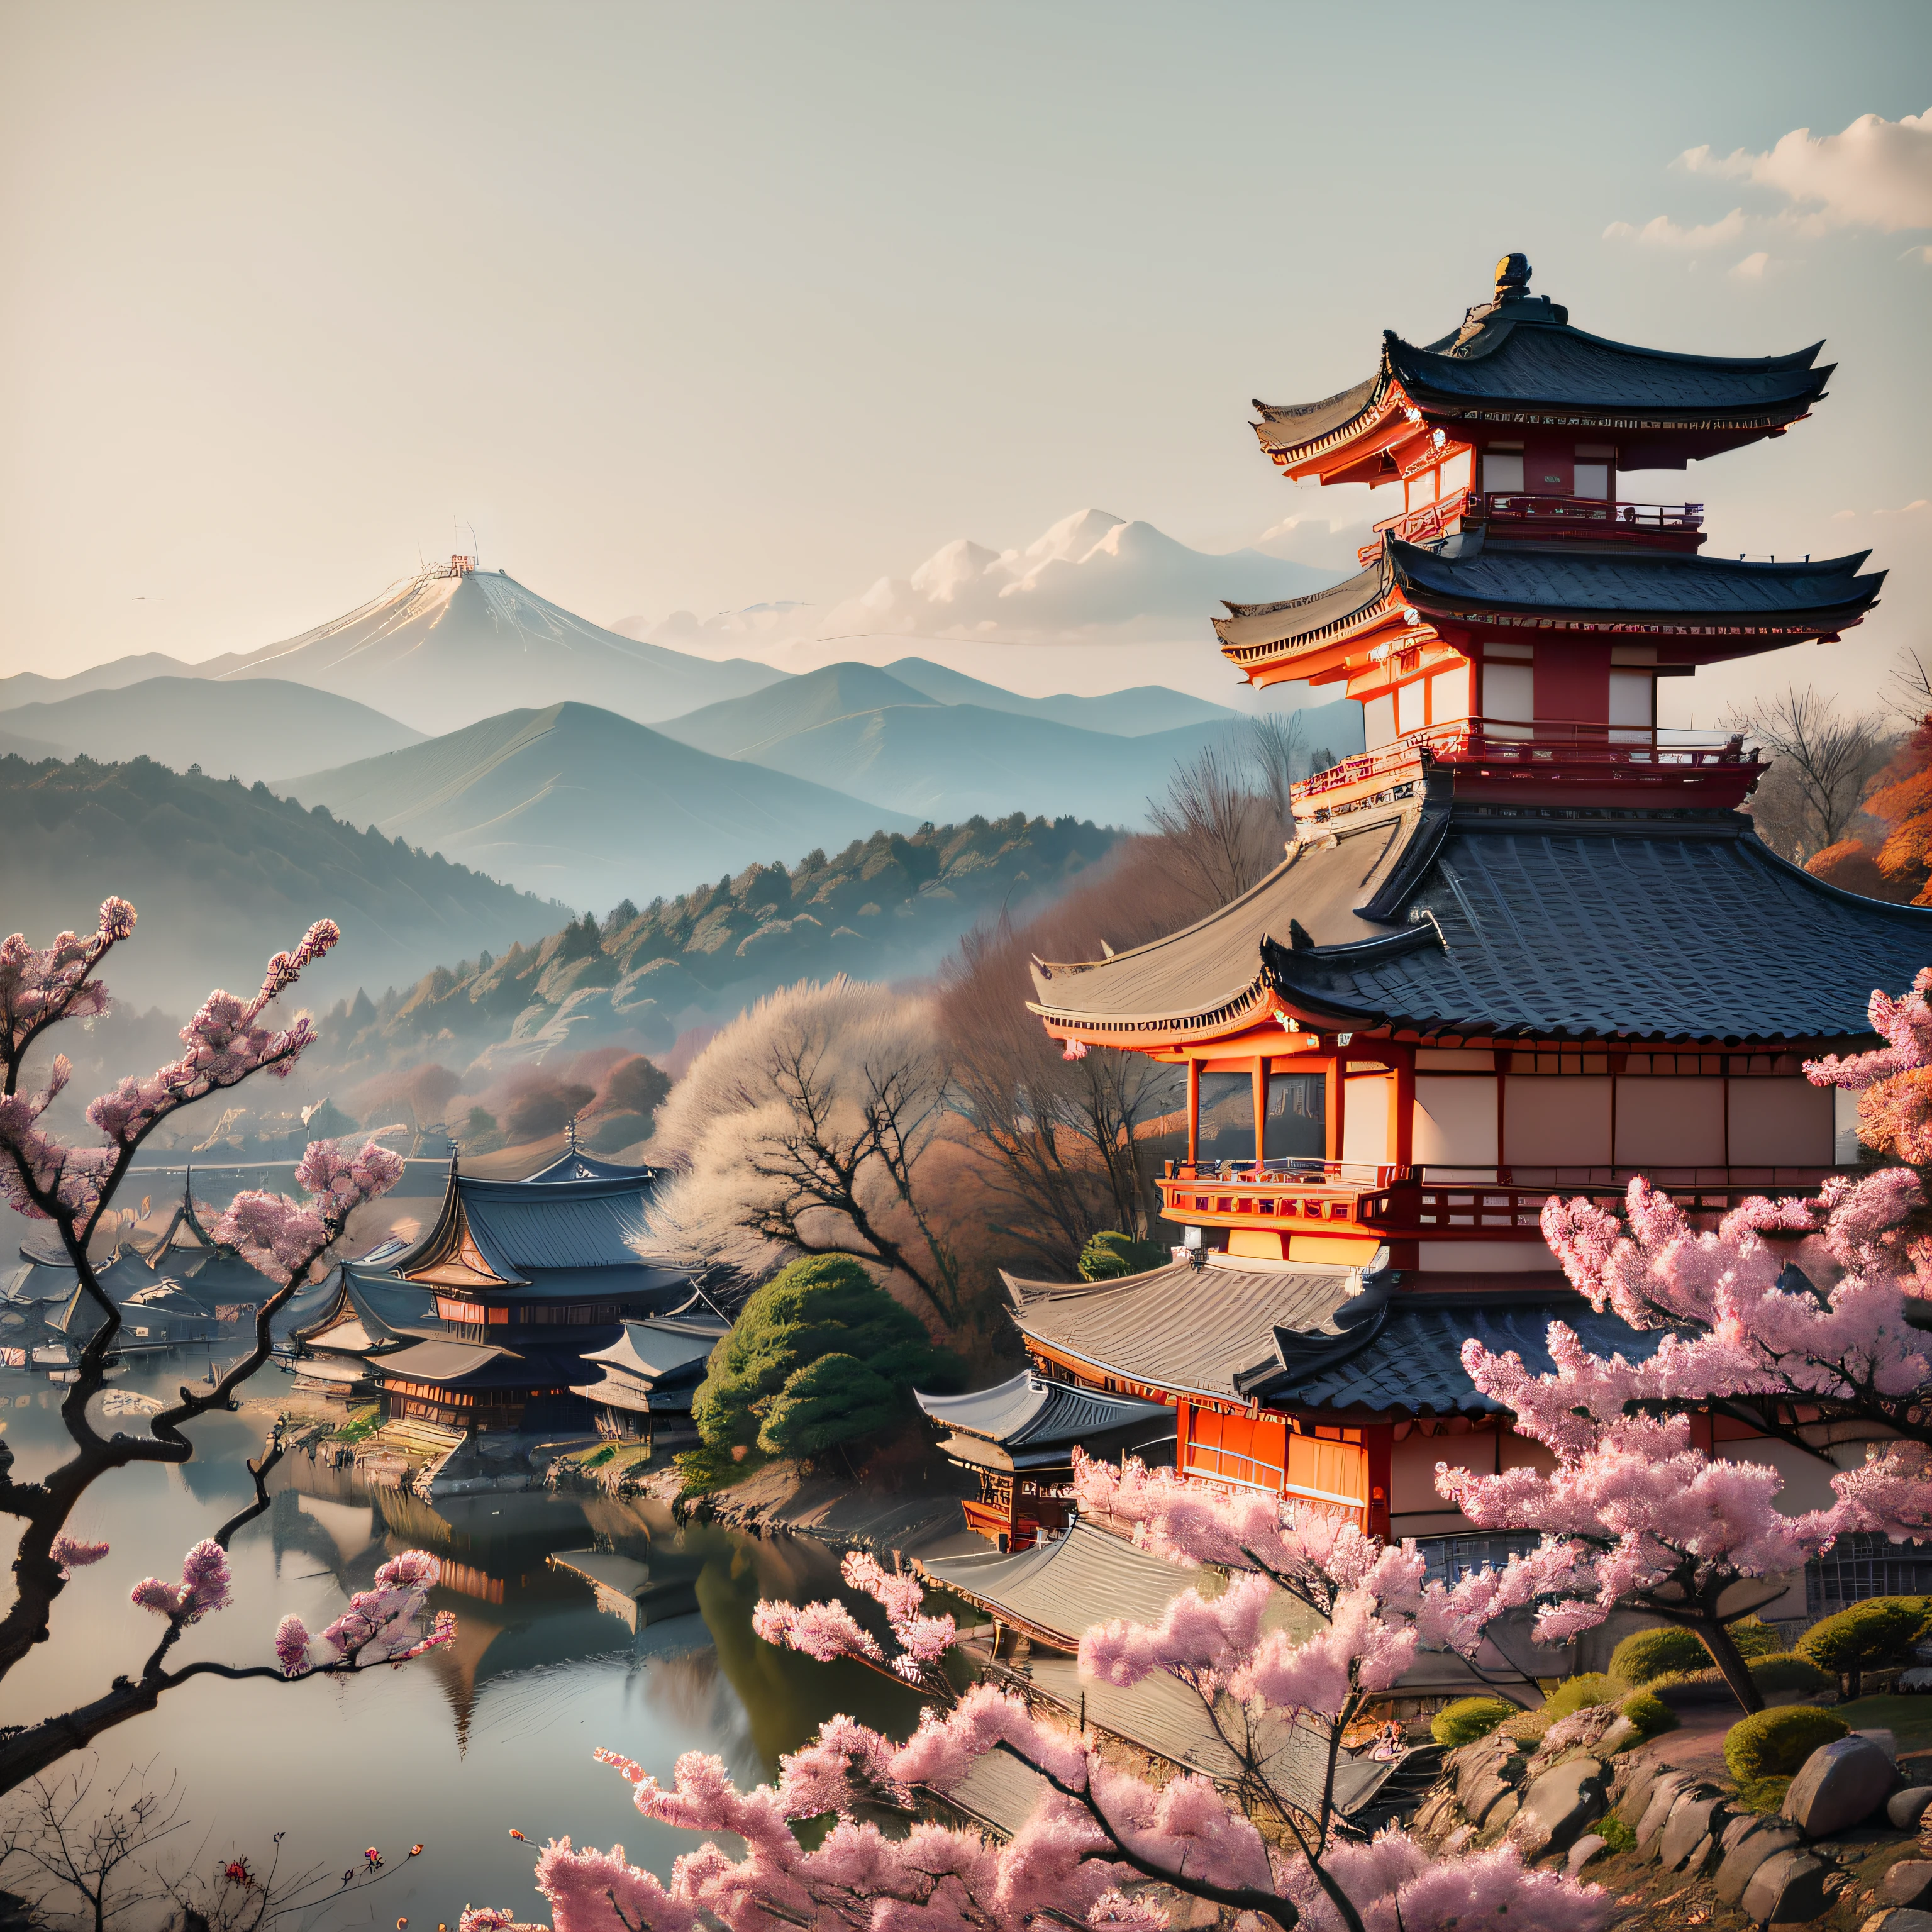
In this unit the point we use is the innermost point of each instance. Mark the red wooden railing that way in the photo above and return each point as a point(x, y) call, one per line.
point(1592, 519)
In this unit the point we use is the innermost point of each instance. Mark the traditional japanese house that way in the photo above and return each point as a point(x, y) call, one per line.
point(1526, 943)
point(1018, 1438)
point(649, 1375)
point(365, 1317)
point(526, 1279)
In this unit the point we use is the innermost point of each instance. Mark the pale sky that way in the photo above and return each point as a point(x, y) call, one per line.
point(697, 307)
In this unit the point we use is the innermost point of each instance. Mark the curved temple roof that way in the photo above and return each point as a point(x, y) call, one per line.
point(1204, 1331)
point(1518, 357)
point(1028, 1413)
point(1648, 591)
point(1471, 919)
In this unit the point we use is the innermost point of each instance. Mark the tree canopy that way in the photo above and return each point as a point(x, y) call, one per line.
point(821, 1355)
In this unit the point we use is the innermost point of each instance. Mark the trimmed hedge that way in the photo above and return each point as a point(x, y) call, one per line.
point(1646, 1654)
point(1786, 1670)
point(1650, 1714)
point(1467, 1719)
point(1578, 1693)
point(1869, 1636)
point(1775, 1743)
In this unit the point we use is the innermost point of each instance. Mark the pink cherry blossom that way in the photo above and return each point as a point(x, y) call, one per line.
point(204, 1586)
point(74, 1552)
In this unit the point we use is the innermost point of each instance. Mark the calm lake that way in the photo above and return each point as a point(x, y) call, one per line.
point(460, 1747)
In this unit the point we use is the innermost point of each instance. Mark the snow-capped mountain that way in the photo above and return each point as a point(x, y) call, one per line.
point(442, 650)
point(1094, 603)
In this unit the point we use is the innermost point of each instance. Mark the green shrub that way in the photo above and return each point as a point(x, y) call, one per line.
point(1110, 1255)
point(1754, 1637)
point(1467, 1719)
point(1648, 1653)
point(1868, 1635)
point(1764, 1796)
point(834, 1400)
point(1775, 1743)
point(1650, 1714)
point(1616, 1835)
point(1786, 1670)
point(826, 1305)
point(1579, 1693)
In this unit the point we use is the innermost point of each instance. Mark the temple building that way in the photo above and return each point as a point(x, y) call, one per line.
point(1018, 1439)
point(648, 1376)
point(518, 1283)
point(1526, 943)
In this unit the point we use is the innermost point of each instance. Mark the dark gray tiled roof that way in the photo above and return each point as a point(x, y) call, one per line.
point(1553, 928)
point(1534, 361)
point(474, 1365)
point(1578, 924)
point(1028, 1412)
point(1654, 584)
point(524, 1225)
point(1198, 1331)
point(654, 1349)
point(574, 1164)
point(1306, 422)
point(1407, 1359)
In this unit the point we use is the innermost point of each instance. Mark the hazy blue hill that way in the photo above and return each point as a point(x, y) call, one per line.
point(846, 725)
point(223, 875)
point(441, 653)
point(249, 731)
point(582, 805)
point(13, 744)
point(1127, 714)
point(30, 687)
point(740, 727)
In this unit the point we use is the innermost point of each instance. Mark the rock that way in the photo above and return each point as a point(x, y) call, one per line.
point(1635, 1800)
point(1491, 1766)
point(1557, 1806)
point(1484, 1796)
point(1498, 1819)
point(1693, 1820)
point(1908, 1882)
point(1904, 1809)
point(1885, 1740)
point(1622, 1733)
point(1788, 1887)
point(1760, 1841)
point(1663, 1796)
point(1841, 1784)
point(1898, 1920)
point(1586, 1849)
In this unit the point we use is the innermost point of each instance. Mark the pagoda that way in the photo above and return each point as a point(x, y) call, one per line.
point(1526, 942)
point(489, 1320)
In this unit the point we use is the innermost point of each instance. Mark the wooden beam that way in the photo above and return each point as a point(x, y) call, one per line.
point(1336, 1094)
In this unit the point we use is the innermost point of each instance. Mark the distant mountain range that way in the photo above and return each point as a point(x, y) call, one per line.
point(440, 652)
point(223, 875)
point(580, 804)
point(877, 737)
point(249, 729)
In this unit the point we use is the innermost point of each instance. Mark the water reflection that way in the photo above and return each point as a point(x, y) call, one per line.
point(637, 1637)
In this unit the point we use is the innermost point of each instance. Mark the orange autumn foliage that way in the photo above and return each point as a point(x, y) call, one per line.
point(1900, 868)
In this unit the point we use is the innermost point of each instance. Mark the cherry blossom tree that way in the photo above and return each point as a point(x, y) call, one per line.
point(1807, 1320)
point(1361, 1610)
point(229, 1040)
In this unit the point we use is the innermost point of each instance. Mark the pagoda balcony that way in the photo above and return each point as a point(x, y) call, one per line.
point(1539, 519)
point(1611, 764)
point(1392, 1203)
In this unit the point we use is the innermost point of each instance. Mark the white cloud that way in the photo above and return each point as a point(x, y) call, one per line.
point(1660, 232)
point(1922, 254)
point(1752, 268)
point(1876, 174)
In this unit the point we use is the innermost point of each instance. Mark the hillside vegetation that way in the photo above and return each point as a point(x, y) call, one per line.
point(885, 907)
point(223, 875)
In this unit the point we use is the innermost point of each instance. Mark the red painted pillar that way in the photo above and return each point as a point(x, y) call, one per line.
point(1261, 1084)
point(1193, 1112)
point(1378, 1439)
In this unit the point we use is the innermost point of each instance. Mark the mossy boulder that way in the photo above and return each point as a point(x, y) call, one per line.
point(1775, 1743)
point(1467, 1719)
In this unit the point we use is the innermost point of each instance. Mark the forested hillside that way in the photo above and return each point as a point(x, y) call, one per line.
point(223, 875)
point(885, 907)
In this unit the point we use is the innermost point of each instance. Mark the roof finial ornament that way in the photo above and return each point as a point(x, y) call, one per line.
point(570, 1128)
point(1512, 276)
